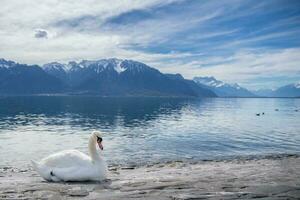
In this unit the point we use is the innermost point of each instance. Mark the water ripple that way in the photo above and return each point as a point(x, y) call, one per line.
point(145, 130)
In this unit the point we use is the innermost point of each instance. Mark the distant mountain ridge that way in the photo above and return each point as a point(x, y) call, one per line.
point(117, 77)
point(223, 89)
point(18, 78)
point(107, 77)
point(290, 90)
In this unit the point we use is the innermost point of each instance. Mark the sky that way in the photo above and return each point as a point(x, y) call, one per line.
point(255, 43)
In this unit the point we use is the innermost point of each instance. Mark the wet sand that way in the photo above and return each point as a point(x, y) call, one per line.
point(266, 178)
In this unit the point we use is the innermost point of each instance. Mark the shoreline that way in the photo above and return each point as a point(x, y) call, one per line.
point(265, 178)
point(144, 96)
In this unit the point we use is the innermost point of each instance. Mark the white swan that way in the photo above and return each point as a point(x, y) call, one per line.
point(73, 165)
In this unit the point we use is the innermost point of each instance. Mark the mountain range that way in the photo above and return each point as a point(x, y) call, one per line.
point(223, 89)
point(106, 77)
point(117, 77)
point(290, 90)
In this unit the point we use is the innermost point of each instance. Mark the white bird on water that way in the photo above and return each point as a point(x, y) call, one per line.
point(73, 165)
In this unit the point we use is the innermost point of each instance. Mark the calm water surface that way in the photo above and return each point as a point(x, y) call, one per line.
point(147, 130)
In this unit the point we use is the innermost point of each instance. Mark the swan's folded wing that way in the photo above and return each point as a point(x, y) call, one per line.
point(66, 159)
point(74, 174)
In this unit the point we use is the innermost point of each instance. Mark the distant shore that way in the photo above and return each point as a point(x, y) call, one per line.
point(138, 96)
point(264, 178)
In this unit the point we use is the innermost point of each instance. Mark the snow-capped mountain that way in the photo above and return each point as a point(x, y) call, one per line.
point(6, 63)
point(120, 77)
point(223, 89)
point(107, 77)
point(74, 73)
point(18, 78)
point(98, 66)
point(291, 90)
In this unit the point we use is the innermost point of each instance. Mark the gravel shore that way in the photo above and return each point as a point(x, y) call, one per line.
point(266, 178)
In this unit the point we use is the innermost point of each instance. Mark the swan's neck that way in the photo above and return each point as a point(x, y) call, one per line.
point(92, 149)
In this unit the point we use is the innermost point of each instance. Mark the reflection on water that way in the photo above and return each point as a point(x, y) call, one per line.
point(140, 130)
point(86, 111)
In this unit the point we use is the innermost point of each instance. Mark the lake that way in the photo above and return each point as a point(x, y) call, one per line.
point(148, 130)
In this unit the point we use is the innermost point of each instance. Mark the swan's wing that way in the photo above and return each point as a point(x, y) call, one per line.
point(66, 159)
point(74, 174)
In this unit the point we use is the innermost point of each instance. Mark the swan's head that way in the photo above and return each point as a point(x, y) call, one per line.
point(98, 137)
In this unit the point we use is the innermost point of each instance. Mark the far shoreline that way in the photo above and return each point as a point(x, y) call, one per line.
point(137, 96)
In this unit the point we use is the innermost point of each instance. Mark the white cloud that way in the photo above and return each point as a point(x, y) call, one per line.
point(243, 66)
point(65, 43)
point(20, 20)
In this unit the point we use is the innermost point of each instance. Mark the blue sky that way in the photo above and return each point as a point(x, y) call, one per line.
point(251, 42)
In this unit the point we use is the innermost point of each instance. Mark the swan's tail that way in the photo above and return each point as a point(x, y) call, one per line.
point(46, 173)
point(37, 168)
point(34, 165)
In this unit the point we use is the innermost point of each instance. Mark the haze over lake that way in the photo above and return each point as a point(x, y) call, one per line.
point(148, 130)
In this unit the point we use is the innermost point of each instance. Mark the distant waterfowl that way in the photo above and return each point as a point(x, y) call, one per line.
point(263, 113)
point(73, 165)
point(296, 110)
point(276, 109)
point(257, 114)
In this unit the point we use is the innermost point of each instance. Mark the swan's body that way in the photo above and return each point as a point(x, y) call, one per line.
point(73, 165)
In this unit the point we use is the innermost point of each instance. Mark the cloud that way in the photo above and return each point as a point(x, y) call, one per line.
point(246, 67)
point(40, 33)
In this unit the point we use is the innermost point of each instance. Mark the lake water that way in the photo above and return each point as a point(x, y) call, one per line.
point(148, 130)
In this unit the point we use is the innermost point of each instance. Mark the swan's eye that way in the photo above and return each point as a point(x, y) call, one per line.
point(99, 139)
